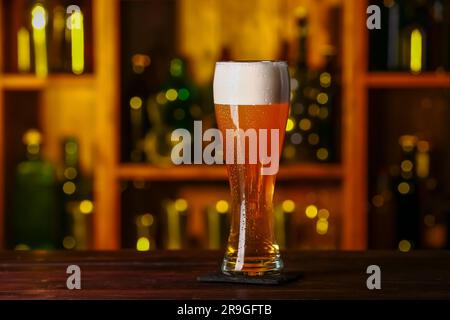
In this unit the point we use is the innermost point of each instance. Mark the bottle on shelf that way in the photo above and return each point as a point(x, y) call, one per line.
point(174, 106)
point(217, 225)
point(76, 192)
point(175, 222)
point(309, 129)
point(39, 22)
point(283, 222)
point(58, 43)
point(35, 217)
point(385, 42)
point(146, 232)
point(296, 148)
point(136, 102)
point(406, 187)
point(382, 211)
point(413, 35)
point(438, 39)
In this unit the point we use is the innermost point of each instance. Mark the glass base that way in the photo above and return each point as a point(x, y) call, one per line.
point(253, 266)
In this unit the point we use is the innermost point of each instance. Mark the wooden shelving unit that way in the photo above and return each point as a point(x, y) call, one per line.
point(407, 80)
point(104, 84)
point(219, 173)
point(32, 82)
point(109, 172)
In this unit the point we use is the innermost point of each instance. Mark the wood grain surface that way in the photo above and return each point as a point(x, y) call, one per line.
point(172, 275)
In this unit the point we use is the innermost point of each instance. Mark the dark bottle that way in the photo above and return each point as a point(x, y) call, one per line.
point(383, 53)
point(299, 123)
point(35, 205)
point(438, 39)
point(217, 225)
point(76, 190)
point(309, 129)
point(59, 46)
point(175, 224)
point(382, 210)
point(175, 106)
point(136, 96)
point(406, 187)
point(393, 35)
point(181, 108)
point(323, 110)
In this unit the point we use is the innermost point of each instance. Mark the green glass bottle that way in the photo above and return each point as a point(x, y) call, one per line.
point(35, 210)
point(175, 106)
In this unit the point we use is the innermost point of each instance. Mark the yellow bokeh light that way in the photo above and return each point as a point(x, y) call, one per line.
point(313, 110)
point(38, 22)
point(313, 139)
point(311, 211)
point(325, 79)
point(322, 98)
point(322, 226)
point(23, 50)
point(304, 124)
point(406, 165)
point(288, 206)
point(181, 205)
point(290, 124)
point(21, 247)
point(403, 187)
point(147, 219)
point(161, 98)
point(404, 246)
point(32, 136)
point(322, 154)
point(69, 187)
point(143, 244)
point(135, 103)
point(69, 242)
point(77, 39)
point(416, 51)
point(140, 62)
point(171, 94)
point(86, 206)
point(70, 173)
point(222, 206)
point(323, 214)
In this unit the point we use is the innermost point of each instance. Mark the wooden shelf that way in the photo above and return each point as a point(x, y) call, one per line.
point(219, 173)
point(32, 82)
point(407, 80)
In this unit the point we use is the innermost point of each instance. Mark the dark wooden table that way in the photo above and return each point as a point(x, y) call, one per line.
point(172, 275)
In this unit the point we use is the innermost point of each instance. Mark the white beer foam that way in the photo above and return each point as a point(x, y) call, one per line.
point(251, 83)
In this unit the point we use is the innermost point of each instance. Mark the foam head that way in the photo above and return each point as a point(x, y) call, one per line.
point(251, 83)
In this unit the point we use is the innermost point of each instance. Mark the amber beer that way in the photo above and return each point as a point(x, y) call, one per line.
point(251, 95)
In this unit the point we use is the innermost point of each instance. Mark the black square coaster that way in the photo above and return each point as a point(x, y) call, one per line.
point(278, 279)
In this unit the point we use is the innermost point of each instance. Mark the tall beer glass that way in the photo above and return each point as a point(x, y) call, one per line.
point(250, 98)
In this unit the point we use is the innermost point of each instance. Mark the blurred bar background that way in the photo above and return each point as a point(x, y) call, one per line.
point(91, 90)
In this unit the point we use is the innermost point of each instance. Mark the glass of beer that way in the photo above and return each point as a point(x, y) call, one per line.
point(251, 104)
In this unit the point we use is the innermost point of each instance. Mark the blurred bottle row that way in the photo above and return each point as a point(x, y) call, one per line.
point(414, 36)
point(52, 204)
point(155, 110)
point(52, 208)
point(48, 36)
point(412, 190)
point(169, 226)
